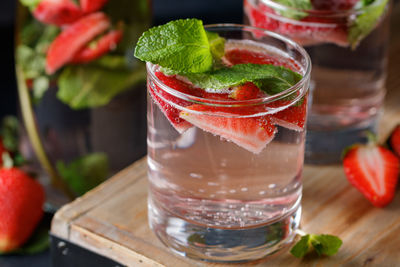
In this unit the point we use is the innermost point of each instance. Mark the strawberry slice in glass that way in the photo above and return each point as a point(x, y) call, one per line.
point(89, 6)
point(71, 40)
point(57, 12)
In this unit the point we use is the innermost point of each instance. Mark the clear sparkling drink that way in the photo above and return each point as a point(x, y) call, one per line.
point(226, 177)
point(349, 66)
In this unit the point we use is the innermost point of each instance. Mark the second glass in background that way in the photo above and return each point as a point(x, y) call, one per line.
point(349, 69)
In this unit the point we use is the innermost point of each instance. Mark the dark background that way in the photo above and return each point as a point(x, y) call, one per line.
point(210, 11)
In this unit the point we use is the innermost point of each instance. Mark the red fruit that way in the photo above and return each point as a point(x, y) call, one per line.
point(394, 140)
point(258, 17)
point(73, 39)
point(333, 5)
point(246, 91)
point(374, 171)
point(89, 6)
point(161, 97)
point(106, 43)
point(293, 117)
point(58, 12)
point(21, 201)
point(252, 133)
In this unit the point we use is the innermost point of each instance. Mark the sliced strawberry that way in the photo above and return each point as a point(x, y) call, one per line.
point(89, 6)
point(73, 39)
point(394, 140)
point(374, 171)
point(160, 96)
point(58, 12)
point(246, 91)
point(311, 29)
point(106, 43)
point(293, 117)
point(252, 134)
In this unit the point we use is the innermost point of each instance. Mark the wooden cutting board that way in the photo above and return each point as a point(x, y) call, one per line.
point(111, 220)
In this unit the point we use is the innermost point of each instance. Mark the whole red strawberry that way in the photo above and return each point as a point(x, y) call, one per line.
point(21, 201)
point(374, 171)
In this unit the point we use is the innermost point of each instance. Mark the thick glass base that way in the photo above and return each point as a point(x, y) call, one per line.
point(326, 147)
point(221, 244)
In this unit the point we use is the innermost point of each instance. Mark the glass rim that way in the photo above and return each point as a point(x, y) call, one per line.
point(314, 12)
point(301, 86)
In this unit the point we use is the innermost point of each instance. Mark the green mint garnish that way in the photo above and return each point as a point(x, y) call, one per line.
point(181, 45)
point(269, 78)
point(327, 245)
point(31, 4)
point(295, 7)
point(372, 11)
point(217, 45)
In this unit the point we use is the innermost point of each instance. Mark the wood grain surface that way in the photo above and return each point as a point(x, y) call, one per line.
point(112, 219)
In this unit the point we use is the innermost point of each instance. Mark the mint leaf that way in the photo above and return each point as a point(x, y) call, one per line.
point(180, 45)
point(302, 247)
point(294, 8)
point(93, 86)
point(365, 22)
point(217, 45)
point(85, 172)
point(269, 78)
point(327, 245)
point(32, 62)
point(40, 86)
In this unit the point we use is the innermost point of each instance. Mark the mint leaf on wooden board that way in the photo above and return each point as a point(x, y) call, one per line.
point(295, 7)
point(366, 21)
point(269, 78)
point(181, 45)
point(327, 245)
point(85, 172)
point(93, 86)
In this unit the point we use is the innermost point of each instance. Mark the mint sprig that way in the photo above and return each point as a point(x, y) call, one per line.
point(366, 21)
point(327, 245)
point(181, 45)
point(269, 78)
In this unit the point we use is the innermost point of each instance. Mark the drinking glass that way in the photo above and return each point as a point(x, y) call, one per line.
point(85, 118)
point(348, 78)
point(228, 189)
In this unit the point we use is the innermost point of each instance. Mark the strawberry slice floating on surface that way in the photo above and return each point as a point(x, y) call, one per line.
point(105, 44)
point(73, 39)
point(293, 117)
point(89, 6)
point(394, 140)
point(374, 171)
point(252, 134)
point(57, 12)
point(21, 201)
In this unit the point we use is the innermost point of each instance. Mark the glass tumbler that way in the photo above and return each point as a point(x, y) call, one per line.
point(348, 78)
point(225, 177)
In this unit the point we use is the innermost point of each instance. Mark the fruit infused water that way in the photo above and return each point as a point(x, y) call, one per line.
point(225, 161)
point(347, 41)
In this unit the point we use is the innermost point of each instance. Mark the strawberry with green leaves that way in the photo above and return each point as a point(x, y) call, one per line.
point(373, 170)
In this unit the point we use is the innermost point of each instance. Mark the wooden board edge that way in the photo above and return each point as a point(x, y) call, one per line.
point(103, 246)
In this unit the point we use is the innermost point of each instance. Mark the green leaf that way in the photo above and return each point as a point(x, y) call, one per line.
point(366, 21)
point(269, 78)
point(327, 245)
point(217, 45)
point(302, 247)
point(32, 62)
point(85, 172)
point(10, 133)
point(40, 86)
point(181, 45)
point(31, 4)
point(294, 9)
point(93, 86)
